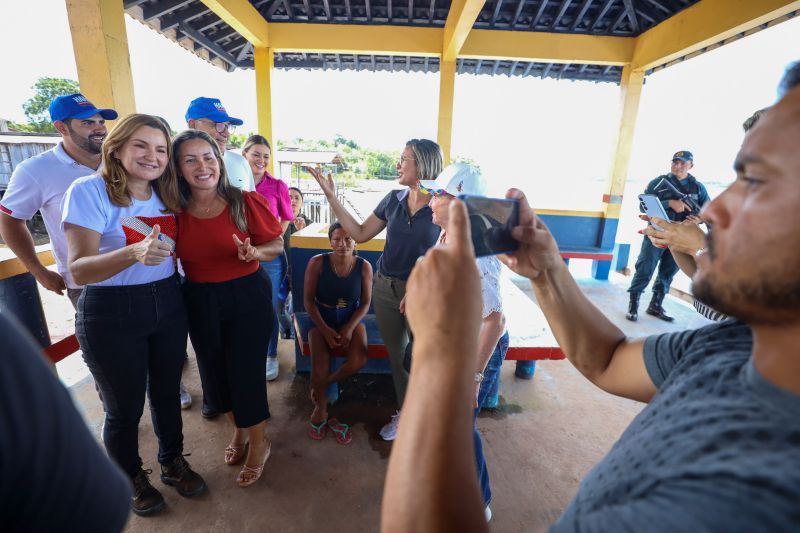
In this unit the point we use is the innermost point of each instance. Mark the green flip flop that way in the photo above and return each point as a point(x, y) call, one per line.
point(342, 432)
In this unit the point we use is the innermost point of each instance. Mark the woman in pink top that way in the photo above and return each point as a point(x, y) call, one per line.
point(257, 152)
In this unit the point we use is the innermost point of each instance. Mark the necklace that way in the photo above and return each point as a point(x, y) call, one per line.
point(206, 209)
point(349, 269)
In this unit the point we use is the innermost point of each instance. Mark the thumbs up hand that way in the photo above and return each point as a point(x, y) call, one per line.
point(152, 251)
point(246, 251)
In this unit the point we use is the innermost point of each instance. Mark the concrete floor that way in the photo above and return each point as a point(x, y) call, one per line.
point(540, 443)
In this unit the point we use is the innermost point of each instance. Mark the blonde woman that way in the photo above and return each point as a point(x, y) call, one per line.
point(131, 321)
point(409, 233)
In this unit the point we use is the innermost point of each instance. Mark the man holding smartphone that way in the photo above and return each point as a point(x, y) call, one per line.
point(680, 193)
point(717, 448)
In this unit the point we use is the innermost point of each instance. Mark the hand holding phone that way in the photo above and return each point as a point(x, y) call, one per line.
point(491, 221)
point(652, 207)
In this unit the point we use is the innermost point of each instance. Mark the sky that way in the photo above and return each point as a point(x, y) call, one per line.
point(552, 138)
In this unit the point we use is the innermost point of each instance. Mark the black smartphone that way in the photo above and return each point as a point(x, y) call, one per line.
point(491, 221)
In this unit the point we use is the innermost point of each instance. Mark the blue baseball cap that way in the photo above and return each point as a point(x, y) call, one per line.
point(77, 106)
point(683, 155)
point(212, 109)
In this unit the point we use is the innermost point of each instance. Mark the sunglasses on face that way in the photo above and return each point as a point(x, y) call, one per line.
point(432, 192)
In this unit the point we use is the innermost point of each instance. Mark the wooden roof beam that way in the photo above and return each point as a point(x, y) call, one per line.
point(151, 11)
point(702, 24)
point(356, 39)
point(209, 45)
point(244, 18)
point(548, 47)
point(460, 19)
point(631, 15)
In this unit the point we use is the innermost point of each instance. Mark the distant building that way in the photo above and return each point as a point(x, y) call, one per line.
point(16, 147)
point(290, 159)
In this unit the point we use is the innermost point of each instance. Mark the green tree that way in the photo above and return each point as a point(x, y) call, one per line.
point(381, 165)
point(36, 108)
point(236, 140)
point(339, 139)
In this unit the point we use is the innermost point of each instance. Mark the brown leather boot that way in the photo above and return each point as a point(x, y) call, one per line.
point(146, 499)
point(180, 475)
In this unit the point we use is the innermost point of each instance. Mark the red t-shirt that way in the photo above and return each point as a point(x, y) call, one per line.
point(206, 248)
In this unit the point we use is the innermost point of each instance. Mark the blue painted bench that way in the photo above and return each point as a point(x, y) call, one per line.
point(587, 235)
point(530, 336)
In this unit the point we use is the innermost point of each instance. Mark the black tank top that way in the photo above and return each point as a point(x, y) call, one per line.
point(334, 291)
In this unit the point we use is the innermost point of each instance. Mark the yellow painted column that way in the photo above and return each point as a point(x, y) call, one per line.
point(630, 93)
point(447, 84)
point(265, 62)
point(100, 44)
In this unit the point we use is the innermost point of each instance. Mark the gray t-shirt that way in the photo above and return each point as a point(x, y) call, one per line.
point(717, 448)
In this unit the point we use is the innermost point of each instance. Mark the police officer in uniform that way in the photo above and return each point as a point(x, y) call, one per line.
point(682, 197)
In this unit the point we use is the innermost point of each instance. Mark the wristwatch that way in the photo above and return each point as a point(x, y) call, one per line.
point(479, 377)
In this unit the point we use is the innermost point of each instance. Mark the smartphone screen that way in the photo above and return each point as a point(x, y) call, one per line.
point(652, 207)
point(491, 221)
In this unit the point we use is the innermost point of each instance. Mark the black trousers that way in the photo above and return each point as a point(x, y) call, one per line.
point(230, 324)
point(133, 339)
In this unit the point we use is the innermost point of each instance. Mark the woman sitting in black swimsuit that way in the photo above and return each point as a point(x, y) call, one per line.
point(338, 290)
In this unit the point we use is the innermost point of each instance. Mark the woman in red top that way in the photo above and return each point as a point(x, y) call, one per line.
point(223, 233)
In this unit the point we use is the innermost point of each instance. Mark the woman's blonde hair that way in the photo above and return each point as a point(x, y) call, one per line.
point(177, 188)
point(254, 140)
point(429, 158)
point(115, 175)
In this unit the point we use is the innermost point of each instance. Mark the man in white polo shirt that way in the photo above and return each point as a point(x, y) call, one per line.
point(210, 116)
point(39, 184)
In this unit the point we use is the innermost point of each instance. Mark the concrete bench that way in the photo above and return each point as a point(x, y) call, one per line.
point(587, 235)
point(603, 259)
point(530, 336)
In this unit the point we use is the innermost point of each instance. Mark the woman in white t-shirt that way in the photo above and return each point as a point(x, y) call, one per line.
point(131, 323)
point(493, 338)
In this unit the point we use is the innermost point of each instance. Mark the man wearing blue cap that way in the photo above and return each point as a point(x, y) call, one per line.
point(682, 197)
point(210, 116)
point(39, 184)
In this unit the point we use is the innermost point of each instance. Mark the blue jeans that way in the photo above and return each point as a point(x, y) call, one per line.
point(649, 258)
point(286, 307)
point(276, 270)
point(490, 377)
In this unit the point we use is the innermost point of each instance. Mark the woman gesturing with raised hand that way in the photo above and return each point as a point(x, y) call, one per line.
point(409, 233)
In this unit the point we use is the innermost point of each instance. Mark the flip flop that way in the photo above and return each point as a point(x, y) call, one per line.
point(234, 454)
point(318, 431)
point(341, 431)
point(251, 474)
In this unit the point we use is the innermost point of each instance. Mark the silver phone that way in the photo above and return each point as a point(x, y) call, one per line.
point(652, 207)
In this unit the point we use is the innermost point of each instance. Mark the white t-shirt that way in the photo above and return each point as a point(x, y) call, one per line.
point(39, 184)
point(489, 268)
point(87, 204)
point(239, 172)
